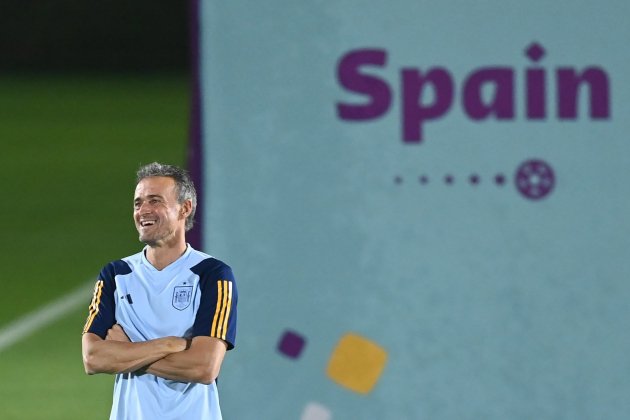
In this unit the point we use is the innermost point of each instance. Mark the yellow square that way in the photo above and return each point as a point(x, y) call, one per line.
point(356, 363)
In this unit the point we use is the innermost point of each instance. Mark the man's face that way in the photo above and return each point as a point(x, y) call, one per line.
point(157, 214)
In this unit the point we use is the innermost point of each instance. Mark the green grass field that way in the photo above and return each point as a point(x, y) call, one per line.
point(70, 148)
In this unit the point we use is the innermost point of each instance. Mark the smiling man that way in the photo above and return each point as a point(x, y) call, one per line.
point(162, 319)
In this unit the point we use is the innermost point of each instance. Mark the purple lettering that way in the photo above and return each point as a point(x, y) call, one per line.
point(414, 111)
point(427, 94)
point(569, 82)
point(350, 77)
point(535, 86)
point(536, 98)
point(502, 104)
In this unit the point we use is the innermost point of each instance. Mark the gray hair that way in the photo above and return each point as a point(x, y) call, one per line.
point(183, 184)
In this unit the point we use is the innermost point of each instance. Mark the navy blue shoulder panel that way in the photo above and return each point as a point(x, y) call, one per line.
point(216, 316)
point(103, 306)
point(115, 268)
point(209, 265)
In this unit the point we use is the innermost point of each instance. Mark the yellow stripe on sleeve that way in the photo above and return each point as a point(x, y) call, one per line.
point(217, 311)
point(220, 331)
point(94, 305)
point(228, 307)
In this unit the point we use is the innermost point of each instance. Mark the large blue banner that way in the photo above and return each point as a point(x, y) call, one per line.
point(425, 204)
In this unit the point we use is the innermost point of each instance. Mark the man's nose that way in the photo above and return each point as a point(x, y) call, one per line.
point(143, 208)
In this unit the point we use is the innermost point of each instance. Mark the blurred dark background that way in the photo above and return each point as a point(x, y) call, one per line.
point(89, 91)
point(90, 35)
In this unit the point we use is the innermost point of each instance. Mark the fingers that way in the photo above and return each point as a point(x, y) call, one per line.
point(117, 333)
point(111, 334)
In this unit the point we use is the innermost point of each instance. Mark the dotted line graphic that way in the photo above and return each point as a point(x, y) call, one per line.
point(449, 179)
point(534, 179)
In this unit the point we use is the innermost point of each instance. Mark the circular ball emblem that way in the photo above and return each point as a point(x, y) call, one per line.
point(534, 179)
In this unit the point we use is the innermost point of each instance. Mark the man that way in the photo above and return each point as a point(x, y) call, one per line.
point(162, 319)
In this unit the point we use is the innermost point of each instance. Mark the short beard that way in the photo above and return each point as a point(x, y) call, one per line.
point(149, 242)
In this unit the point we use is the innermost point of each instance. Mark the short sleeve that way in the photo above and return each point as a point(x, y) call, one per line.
point(216, 316)
point(101, 316)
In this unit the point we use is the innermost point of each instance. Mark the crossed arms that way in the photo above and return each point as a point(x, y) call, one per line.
point(196, 360)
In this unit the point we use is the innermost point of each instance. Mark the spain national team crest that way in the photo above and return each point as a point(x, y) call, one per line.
point(182, 295)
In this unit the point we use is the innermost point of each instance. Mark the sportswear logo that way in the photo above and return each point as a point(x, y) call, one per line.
point(182, 297)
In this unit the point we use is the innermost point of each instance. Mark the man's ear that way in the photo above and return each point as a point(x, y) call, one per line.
point(186, 208)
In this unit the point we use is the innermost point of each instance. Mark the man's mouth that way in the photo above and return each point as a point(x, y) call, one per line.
point(147, 223)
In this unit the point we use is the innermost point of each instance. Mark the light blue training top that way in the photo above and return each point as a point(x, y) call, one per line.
point(194, 296)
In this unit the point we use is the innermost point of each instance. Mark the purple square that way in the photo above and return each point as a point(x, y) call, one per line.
point(291, 344)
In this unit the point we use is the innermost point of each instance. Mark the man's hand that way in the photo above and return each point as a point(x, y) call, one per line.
point(116, 333)
point(200, 363)
point(117, 354)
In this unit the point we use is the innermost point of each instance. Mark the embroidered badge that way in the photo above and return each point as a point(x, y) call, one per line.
point(182, 295)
